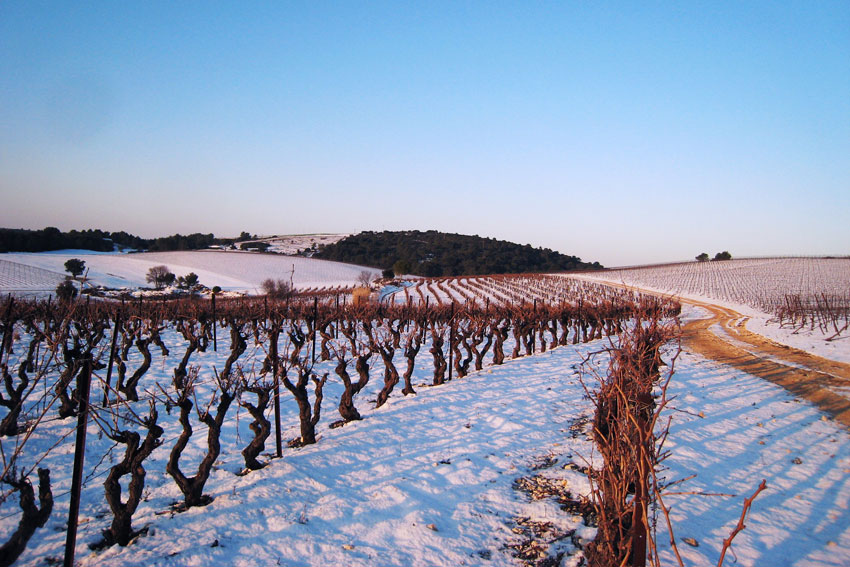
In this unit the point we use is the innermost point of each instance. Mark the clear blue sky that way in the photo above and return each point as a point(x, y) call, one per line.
point(623, 133)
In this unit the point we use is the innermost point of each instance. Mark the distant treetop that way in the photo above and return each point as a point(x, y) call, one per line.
point(433, 253)
point(51, 238)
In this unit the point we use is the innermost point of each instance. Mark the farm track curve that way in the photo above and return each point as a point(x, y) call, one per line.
point(803, 374)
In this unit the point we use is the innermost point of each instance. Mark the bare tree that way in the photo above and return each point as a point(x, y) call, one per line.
point(277, 289)
point(365, 278)
point(160, 276)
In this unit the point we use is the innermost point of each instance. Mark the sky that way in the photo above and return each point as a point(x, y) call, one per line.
point(621, 132)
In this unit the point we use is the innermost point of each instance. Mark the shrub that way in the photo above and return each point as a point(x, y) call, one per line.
point(402, 267)
point(279, 289)
point(188, 281)
point(723, 256)
point(703, 257)
point(66, 291)
point(75, 266)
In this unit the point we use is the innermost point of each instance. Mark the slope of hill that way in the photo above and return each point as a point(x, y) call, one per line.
point(232, 271)
point(435, 253)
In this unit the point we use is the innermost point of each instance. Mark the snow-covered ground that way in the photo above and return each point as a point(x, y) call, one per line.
point(232, 271)
point(296, 243)
point(429, 479)
point(777, 276)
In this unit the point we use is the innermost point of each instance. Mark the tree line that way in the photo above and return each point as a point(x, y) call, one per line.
point(435, 254)
point(51, 238)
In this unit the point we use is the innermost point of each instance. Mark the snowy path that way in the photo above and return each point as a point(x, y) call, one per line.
point(723, 337)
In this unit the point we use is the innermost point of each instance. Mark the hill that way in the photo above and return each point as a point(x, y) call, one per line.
point(435, 253)
point(232, 271)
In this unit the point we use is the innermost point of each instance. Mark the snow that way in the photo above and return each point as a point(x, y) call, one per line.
point(294, 244)
point(232, 271)
point(428, 479)
point(833, 276)
point(751, 430)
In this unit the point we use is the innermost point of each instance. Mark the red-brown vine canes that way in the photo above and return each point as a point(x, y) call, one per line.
point(32, 516)
point(302, 366)
point(628, 438)
point(44, 326)
point(727, 543)
point(228, 383)
point(136, 452)
point(359, 351)
point(624, 438)
point(262, 387)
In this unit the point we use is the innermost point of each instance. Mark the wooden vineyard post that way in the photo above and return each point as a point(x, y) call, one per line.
point(7, 319)
point(533, 333)
point(83, 387)
point(315, 324)
point(451, 338)
point(273, 354)
point(214, 324)
point(112, 348)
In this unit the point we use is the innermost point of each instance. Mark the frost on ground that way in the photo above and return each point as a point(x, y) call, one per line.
point(473, 473)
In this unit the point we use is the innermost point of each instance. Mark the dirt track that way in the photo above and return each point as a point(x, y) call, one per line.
point(724, 338)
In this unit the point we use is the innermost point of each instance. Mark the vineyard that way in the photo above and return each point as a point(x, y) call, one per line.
point(23, 278)
point(799, 293)
point(242, 381)
point(446, 421)
point(483, 291)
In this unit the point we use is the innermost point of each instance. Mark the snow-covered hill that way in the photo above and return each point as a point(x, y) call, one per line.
point(232, 271)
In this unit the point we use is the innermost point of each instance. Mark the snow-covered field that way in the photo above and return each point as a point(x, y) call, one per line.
point(751, 287)
point(232, 271)
point(430, 479)
point(759, 283)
